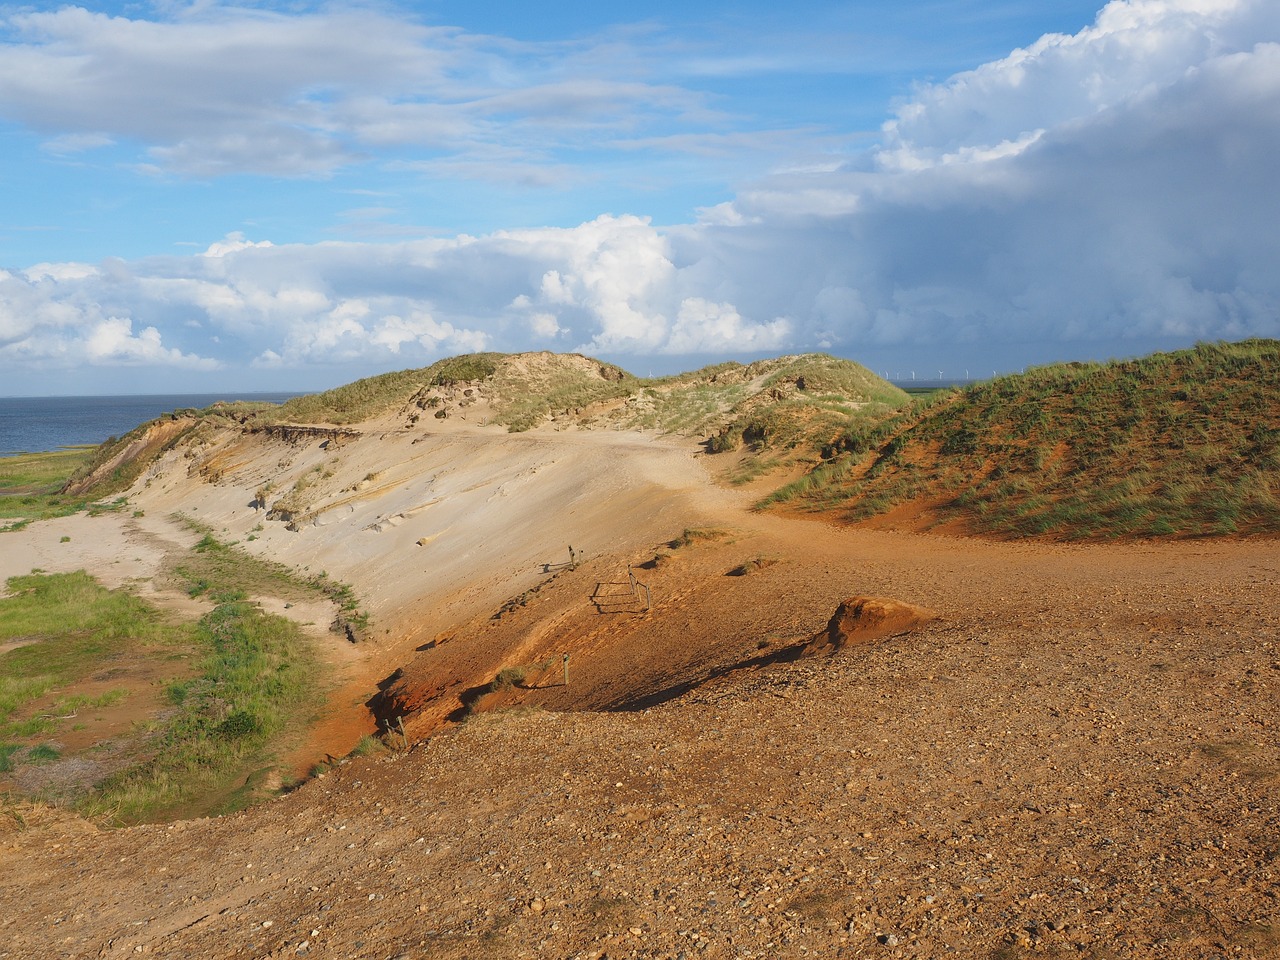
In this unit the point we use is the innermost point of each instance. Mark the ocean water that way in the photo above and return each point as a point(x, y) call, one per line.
point(35, 424)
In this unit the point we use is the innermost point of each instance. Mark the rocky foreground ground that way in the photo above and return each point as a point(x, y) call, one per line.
point(1078, 759)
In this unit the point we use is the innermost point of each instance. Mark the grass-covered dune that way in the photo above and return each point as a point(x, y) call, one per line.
point(774, 411)
point(1175, 444)
point(1181, 444)
point(776, 399)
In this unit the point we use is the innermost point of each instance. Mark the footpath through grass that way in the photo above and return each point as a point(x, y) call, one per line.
point(214, 566)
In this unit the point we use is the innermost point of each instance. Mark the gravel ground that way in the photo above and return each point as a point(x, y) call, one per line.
point(1079, 759)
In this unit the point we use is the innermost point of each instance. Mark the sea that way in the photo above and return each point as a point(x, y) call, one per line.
point(38, 424)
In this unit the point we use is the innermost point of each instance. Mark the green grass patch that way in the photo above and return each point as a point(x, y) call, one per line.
point(369, 745)
point(71, 628)
point(30, 485)
point(71, 625)
point(256, 683)
point(34, 473)
point(43, 753)
point(79, 702)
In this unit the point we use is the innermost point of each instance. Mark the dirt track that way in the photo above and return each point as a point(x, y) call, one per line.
point(1077, 759)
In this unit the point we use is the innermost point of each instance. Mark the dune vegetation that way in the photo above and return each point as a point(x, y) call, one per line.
point(1182, 444)
point(780, 404)
point(233, 685)
point(773, 412)
point(1173, 444)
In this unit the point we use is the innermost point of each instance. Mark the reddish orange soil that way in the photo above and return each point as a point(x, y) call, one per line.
point(1076, 758)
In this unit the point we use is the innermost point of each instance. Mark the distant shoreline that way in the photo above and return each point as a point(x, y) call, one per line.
point(6, 454)
point(47, 424)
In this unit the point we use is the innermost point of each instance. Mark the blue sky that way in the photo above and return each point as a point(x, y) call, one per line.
point(216, 197)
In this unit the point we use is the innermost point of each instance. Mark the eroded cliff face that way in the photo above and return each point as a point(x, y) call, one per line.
point(435, 525)
point(300, 434)
point(148, 443)
point(474, 550)
point(429, 519)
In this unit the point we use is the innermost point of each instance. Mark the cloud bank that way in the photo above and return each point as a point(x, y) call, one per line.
point(222, 90)
point(1113, 185)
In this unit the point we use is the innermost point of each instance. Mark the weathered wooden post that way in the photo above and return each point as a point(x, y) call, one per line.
point(566, 669)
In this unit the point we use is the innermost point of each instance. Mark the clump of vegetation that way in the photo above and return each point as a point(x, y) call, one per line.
point(464, 369)
point(43, 753)
point(1175, 444)
point(295, 500)
point(657, 561)
point(751, 566)
point(692, 535)
point(222, 570)
point(370, 745)
point(507, 678)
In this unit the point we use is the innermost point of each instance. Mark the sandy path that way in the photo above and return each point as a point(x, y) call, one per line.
point(80, 542)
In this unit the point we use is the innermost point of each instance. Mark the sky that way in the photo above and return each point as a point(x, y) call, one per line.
point(204, 197)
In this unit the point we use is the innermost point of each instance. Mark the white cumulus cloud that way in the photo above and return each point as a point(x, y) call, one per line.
point(112, 341)
point(705, 327)
point(1112, 186)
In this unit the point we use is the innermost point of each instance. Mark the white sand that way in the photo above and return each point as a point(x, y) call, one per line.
point(430, 526)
